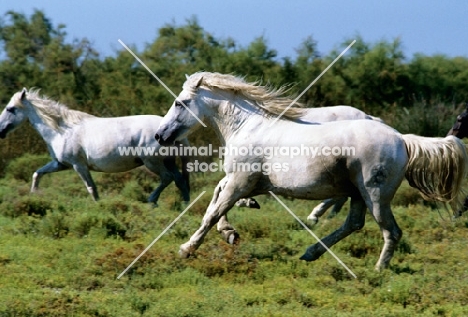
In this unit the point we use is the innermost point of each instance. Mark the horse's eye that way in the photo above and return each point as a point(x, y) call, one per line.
point(11, 110)
point(178, 104)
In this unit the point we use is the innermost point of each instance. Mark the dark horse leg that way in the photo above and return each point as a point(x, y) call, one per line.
point(181, 180)
point(459, 213)
point(355, 221)
point(51, 167)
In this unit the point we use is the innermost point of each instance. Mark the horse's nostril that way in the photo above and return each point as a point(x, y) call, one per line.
point(157, 137)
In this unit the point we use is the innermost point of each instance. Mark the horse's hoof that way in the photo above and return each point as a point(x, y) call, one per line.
point(183, 254)
point(306, 257)
point(310, 255)
point(380, 267)
point(232, 237)
point(248, 202)
point(312, 221)
point(185, 251)
point(254, 204)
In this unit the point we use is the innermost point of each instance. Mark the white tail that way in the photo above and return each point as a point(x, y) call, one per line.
point(437, 168)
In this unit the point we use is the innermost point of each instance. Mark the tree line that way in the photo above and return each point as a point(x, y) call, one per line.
point(421, 94)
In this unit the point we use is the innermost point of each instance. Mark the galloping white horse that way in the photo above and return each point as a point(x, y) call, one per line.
point(241, 114)
point(84, 142)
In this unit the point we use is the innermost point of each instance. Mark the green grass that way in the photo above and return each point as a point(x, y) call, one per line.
point(61, 253)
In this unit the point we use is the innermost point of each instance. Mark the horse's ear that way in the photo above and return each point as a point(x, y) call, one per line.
point(187, 77)
point(23, 93)
point(199, 82)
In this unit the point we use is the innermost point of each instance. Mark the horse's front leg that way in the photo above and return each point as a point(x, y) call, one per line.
point(51, 167)
point(226, 193)
point(226, 230)
point(181, 180)
point(165, 180)
point(85, 175)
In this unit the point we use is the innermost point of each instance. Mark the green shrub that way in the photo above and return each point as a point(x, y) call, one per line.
point(133, 191)
point(55, 225)
point(30, 205)
point(85, 222)
point(22, 168)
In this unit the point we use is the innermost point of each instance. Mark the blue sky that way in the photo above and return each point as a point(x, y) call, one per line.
point(424, 26)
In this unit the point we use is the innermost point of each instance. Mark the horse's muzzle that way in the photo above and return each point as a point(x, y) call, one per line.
point(162, 141)
point(4, 131)
point(157, 137)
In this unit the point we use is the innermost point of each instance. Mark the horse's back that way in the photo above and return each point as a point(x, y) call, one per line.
point(129, 130)
point(106, 144)
point(332, 159)
point(335, 113)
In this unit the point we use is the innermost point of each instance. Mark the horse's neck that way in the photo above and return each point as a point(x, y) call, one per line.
point(230, 117)
point(46, 131)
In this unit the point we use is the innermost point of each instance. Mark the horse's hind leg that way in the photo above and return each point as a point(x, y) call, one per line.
point(339, 202)
point(391, 233)
point(85, 175)
point(354, 221)
point(321, 208)
point(378, 192)
point(51, 167)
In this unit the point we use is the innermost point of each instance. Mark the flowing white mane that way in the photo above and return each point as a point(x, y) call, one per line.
point(272, 100)
point(53, 113)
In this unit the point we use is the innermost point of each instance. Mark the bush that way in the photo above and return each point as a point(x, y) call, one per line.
point(85, 222)
point(26, 205)
point(55, 225)
point(426, 119)
point(133, 191)
point(23, 168)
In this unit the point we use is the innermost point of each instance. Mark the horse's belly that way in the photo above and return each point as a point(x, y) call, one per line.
point(312, 190)
point(109, 165)
point(317, 180)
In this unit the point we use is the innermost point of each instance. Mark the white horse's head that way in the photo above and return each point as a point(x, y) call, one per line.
point(14, 113)
point(185, 115)
point(222, 100)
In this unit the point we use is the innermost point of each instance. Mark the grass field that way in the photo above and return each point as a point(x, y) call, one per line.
point(61, 253)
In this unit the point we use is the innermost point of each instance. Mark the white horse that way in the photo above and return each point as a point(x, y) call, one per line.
point(241, 113)
point(84, 142)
